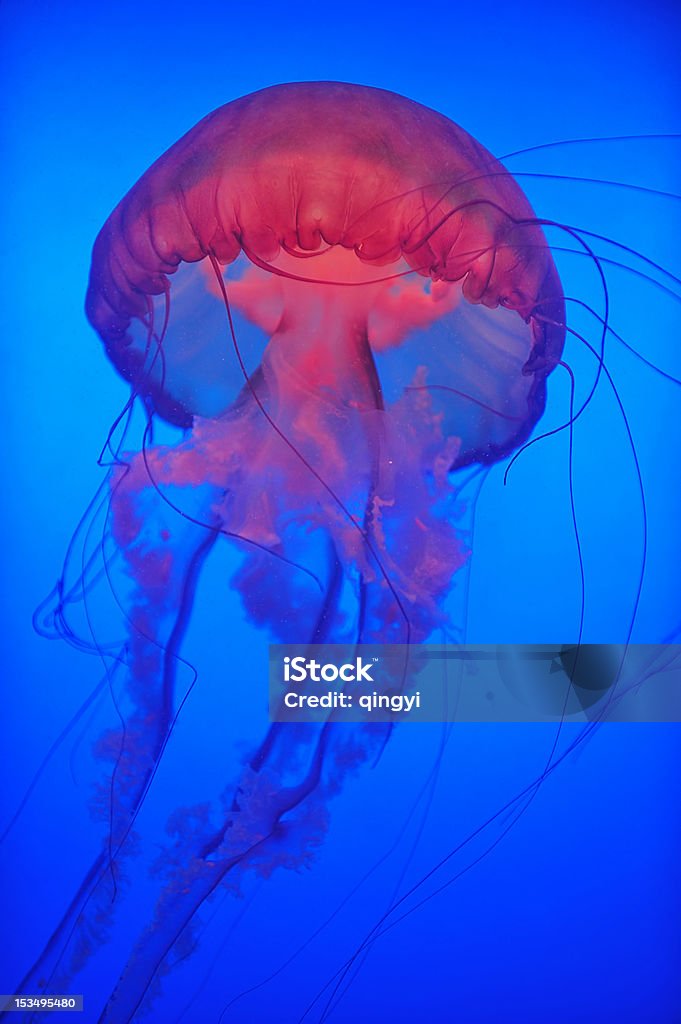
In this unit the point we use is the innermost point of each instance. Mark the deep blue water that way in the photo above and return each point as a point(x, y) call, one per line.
point(574, 912)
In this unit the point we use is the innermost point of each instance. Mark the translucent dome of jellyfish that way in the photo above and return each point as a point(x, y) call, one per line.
point(327, 300)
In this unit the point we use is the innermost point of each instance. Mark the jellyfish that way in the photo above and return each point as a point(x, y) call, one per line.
point(327, 301)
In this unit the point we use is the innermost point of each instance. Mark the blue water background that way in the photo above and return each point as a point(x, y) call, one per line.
point(575, 915)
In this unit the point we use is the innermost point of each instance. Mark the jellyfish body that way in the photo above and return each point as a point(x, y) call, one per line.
point(338, 297)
